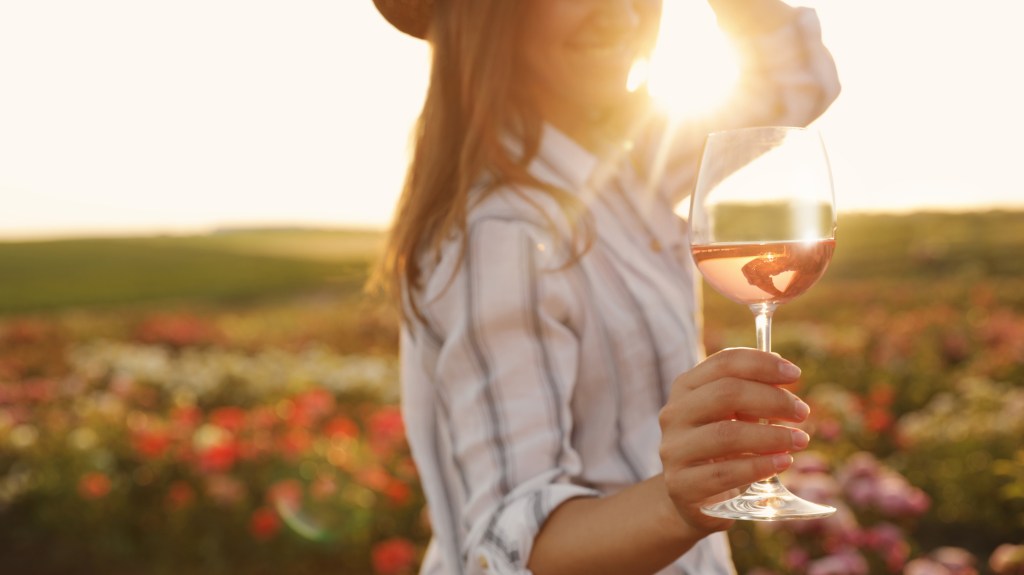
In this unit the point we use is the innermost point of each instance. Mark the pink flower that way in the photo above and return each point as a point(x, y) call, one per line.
point(896, 497)
point(796, 559)
point(323, 487)
point(842, 563)
point(1007, 560)
point(225, 490)
point(959, 561)
point(286, 493)
point(890, 541)
point(859, 465)
point(925, 566)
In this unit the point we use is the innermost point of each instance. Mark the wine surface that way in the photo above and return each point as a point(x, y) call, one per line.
point(771, 272)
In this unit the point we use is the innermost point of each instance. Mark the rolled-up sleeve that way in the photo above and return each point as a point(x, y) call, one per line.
point(506, 368)
point(790, 69)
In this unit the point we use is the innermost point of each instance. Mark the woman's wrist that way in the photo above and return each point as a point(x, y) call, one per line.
point(672, 522)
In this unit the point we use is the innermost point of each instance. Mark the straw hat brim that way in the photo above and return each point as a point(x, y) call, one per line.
point(409, 16)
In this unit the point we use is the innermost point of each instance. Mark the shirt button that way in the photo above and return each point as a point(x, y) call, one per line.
point(483, 562)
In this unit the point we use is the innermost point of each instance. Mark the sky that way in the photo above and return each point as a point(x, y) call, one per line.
point(161, 116)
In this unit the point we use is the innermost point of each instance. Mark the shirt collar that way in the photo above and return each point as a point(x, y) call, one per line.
point(562, 157)
point(580, 169)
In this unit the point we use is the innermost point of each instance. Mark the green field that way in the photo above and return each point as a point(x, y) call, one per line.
point(49, 275)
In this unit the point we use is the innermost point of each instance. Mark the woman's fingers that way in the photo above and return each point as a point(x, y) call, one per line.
point(710, 443)
point(728, 439)
point(741, 399)
point(740, 363)
point(699, 483)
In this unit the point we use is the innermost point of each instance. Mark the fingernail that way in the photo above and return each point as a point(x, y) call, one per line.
point(782, 461)
point(789, 370)
point(802, 410)
point(800, 439)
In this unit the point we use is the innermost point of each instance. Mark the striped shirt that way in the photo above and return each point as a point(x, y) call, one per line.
point(532, 382)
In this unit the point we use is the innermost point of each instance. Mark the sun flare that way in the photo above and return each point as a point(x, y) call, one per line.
point(693, 67)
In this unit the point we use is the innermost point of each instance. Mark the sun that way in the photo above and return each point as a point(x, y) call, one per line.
point(693, 68)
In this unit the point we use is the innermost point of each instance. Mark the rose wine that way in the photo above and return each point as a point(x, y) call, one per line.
point(771, 272)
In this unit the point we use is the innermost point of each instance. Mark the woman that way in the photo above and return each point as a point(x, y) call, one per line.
point(555, 399)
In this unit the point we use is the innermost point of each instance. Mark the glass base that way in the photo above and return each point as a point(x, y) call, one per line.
point(767, 500)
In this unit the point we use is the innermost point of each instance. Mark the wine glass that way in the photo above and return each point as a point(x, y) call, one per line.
point(762, 231)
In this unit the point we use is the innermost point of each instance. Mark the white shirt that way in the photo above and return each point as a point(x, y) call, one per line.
point(533, 382)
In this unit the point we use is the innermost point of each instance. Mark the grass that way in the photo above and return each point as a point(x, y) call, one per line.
point(927, 252)
point(49, 275)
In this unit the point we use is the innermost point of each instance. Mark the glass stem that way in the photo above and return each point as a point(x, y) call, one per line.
point(763, 323)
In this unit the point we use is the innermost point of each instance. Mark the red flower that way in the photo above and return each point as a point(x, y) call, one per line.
point(393, 556)
point(180, 495)
point(877, 419)
point(374, 478)
point(263, 417)
point(38, 390)
point(94, 485)
point(311, 406)
point(264, 523)
point(218, 458)
point(295, 442)
point(151, 444)
point(177, 330)
point(341, 427)
point(386, 429)
point(188, 416)
point(398, 492)
point(229, 418)
point(27, 331)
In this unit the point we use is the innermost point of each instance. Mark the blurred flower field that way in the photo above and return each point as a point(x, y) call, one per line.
point(262, 435)
point(178, 442)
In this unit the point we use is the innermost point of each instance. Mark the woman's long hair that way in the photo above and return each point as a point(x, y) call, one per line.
point(476, 97)
point(473, 101)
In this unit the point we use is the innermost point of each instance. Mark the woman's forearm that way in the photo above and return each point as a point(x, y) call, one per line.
point(635, 531)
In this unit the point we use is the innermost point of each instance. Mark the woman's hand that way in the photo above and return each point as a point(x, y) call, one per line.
point(712, 443)
point(751, 16)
